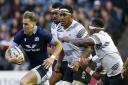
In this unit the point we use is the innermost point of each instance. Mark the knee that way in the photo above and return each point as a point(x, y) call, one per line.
point(23, 82)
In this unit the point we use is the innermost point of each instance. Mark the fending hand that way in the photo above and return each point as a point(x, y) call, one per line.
point(48, 62)
point(75, 66)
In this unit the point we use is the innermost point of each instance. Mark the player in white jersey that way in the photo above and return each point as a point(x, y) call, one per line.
point(55, 18)
point(105, 49)
point(73, 29)
point(54, 26)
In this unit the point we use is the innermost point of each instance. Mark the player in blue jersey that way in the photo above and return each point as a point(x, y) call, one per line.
point(34, 40)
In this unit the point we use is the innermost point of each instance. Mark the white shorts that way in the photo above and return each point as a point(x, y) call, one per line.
point(43, 75)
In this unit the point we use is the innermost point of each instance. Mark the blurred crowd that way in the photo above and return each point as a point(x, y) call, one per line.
point(113, 12)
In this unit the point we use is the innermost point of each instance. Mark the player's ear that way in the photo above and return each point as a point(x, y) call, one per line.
point(33, 23)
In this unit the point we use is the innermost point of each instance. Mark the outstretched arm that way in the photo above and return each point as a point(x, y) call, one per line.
point(58, 48)
point(79, 41)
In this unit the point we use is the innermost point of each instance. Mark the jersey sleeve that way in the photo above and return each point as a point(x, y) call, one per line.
point(82, 32)
point(96, 38)
point(47, 36)
point(17, 38)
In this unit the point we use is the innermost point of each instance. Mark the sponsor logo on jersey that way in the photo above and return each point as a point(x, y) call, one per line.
point(31, 48)
point(36, 38)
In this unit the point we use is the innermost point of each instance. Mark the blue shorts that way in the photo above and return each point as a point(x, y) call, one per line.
point(42, 74)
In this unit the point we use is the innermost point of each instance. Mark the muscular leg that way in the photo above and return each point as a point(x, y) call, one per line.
point(36, 76)
point(55, 78)
point(29, 79)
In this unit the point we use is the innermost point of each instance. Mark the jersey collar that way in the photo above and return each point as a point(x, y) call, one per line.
point(35, 30)
point(72, 24)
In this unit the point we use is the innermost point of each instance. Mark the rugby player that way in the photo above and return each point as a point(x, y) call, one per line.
point(34, 39)
point(106, 51)
point(56, 75)
point(74, 29)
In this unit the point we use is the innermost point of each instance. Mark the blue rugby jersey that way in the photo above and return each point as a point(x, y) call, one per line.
point(35, 46)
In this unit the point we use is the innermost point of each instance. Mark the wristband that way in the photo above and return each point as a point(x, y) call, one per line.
point(95, 58)
point(90, 57)
point(53, 57)
point(92, 72)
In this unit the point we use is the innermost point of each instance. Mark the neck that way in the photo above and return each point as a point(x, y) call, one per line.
point(30, 33)
point(97, 30)
point(68, 24)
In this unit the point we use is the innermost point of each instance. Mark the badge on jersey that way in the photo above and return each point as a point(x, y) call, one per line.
point(36, 38)
point(25, 39)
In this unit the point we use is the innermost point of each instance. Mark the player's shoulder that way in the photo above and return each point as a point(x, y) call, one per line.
point(101, 33)
point(103, 36)
point(42, 31)
point(78, 27)
point(77, 24)
point(20, 33)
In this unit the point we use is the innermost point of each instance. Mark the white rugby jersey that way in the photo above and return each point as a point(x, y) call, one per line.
point(54, 28)
point(75, 30)
point(107, 53)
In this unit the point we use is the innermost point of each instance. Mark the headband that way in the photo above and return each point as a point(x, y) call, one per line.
point(93, 27)
point(54, 10)
point(64, 11)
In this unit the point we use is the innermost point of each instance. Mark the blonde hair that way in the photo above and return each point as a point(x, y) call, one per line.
point(30, 15)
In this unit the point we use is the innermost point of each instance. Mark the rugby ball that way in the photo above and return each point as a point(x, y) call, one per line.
point(15, 52)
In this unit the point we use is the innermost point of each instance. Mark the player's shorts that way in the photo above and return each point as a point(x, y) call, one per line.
point(114, 80)
point(42, 74)
point(81, 76)
point(67, 72)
